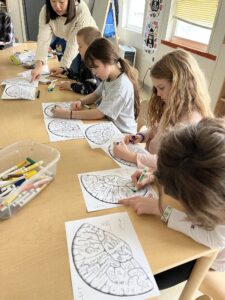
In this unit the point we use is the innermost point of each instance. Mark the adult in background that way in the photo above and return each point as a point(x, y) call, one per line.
point(62, 18)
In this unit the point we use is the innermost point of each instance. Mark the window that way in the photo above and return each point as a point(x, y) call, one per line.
point(133, 14)
point(193, 22)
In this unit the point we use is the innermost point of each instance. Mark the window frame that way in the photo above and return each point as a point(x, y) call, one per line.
point(189, 44)
point(126, 6)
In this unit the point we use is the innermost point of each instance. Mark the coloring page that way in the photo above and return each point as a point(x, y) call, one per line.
point(63, 129)
point(47, 107)
point(19, 92)
point(24, 81)
point(60, 129)
point(101, 134)
point(107, 261)
point(103, 189)
point(123, 163)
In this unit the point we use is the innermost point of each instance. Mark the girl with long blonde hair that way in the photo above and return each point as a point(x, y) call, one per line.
point(179, 96)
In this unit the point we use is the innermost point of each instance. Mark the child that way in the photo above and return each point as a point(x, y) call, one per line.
point(179, 96)
point(86, 82)
point(191, 168)
point(119, 92)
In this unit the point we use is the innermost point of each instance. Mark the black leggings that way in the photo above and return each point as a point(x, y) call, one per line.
point(174, 276)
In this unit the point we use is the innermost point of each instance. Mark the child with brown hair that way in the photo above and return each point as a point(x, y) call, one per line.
point(119, 92)
point(191, 169)
point(179, 96)
point(86, 82)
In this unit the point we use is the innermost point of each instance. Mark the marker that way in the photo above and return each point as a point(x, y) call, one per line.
point(133, 138)
point(17, 166)
point(15, 180)
point(27, 169)
point(142, 176)
point(36, 184)
point(38, 94)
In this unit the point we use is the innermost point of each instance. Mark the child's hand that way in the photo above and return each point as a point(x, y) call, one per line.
point(56, 71)
point(133, 139)
point(143, 205)
point(36, 72)
point(148, 178)
point(66, 85)
point(121, 150)
point(77, 105)
point(59, 112)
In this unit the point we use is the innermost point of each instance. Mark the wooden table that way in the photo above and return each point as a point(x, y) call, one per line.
point(33, 251)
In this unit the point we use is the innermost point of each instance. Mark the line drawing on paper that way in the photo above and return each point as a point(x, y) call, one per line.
point(105, 263)
point(20, 81)
point(132, 148)
point(65, 128)
point(100, 133)
point(47, 109)
point(109, 188)
point(19, 92)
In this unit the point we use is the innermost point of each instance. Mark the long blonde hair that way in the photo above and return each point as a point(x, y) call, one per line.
point(188, 92)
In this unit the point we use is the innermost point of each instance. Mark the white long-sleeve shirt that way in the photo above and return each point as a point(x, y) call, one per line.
point(210, 238)
point(67, 32)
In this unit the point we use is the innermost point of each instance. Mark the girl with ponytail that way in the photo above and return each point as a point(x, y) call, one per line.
point(120, 101)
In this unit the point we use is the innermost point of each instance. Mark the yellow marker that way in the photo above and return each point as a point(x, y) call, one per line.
point(31, 167)
point(14, 196)
point(14, 168)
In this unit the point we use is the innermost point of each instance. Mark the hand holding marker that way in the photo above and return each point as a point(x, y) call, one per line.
point(142, 176)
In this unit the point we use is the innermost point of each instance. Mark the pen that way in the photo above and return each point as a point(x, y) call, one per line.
point(86, 106)
point(38, 93)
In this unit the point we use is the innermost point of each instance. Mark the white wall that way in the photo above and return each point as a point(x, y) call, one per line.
point(213, 70)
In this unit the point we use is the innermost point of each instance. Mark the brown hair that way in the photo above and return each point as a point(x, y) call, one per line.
point(103, 50)
point(89, 34)
point(70, 14)
point(191, 167)
point(188, 92)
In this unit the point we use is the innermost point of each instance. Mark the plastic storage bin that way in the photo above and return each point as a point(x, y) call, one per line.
point(22, 194)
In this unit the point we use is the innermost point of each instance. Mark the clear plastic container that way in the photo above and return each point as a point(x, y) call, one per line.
point(22, 194)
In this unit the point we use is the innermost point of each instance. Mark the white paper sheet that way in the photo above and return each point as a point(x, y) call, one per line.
point(19, 92)
point(123, 163)
point(101, 134)
point(103, 189)
point(45, 71)
point(60, 129)
point(24, 81)
point(107, 261)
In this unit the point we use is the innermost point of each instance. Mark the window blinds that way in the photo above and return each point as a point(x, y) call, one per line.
point(198, 12)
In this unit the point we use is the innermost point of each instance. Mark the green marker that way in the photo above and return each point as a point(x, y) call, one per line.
point(142, 176)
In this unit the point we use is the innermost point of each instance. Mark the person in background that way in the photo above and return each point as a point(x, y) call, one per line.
point(6, 30)
point(191, 169)
point(179, 96)
point(118, 89)
point(63, 19)
point(86, 82)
